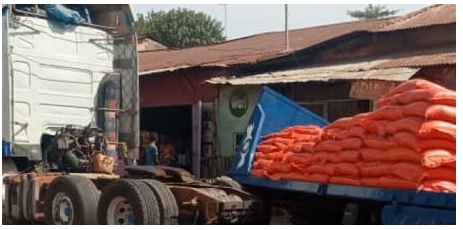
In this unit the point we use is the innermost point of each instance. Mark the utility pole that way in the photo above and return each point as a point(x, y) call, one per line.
point(286, 27)
point(225, 18)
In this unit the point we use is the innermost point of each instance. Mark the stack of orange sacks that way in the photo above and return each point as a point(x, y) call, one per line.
point(407, 143)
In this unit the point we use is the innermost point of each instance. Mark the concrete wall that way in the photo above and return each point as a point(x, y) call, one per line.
point(230, 124)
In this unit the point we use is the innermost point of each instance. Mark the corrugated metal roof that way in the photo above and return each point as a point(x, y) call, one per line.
point(449, 58)
point(268, 46)
point(355, 71)
point(433, 15)
point(251, 49)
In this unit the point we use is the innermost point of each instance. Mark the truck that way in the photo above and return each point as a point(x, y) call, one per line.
point(320, 203)
point(70, 111)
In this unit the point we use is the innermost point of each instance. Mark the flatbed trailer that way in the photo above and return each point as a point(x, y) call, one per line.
point(348, 204)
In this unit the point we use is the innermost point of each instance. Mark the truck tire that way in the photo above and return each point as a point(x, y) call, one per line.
point(71, 200)
point(128, 202)
point(166, 200)
point(228, 182)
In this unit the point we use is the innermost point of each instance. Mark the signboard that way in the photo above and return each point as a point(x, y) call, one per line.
point(370, 89)
point(238, 103)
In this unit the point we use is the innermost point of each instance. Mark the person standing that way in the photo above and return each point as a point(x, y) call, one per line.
point(152, 153)
point(167, 153)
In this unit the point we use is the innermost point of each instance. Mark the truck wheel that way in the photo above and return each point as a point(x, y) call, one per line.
point(167, 202)
point(125, 202)
point(228, 182)
point(71, 200)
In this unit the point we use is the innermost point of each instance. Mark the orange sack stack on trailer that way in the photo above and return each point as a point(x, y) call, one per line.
point(408, 142)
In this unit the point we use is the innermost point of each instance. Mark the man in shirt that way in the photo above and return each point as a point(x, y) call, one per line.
point(152, 153)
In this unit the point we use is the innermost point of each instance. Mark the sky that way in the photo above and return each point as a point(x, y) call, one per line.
point(245, 20)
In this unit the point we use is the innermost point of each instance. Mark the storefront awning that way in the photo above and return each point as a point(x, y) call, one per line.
point(354, 71)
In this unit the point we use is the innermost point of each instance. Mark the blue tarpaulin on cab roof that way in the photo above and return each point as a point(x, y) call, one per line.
point(63, 14)
point(57, 12)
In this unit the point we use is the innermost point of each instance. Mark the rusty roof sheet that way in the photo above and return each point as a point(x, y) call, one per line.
point(433, 15)
point(251, 49)
point(449, 58)
point(353, 71)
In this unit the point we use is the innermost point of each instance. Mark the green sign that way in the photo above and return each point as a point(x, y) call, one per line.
point(238, 103)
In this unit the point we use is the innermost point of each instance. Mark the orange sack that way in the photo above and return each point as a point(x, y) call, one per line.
point(451, 165)
point(328, 146)
point(375, 127)
point(390, 155)
point(266, 148)
point(403, 154)
point(438, 130)
point(284, 141)
point(321, 178)
point(437, 144)
point(308, 146)
point(259, 155)
point(326, 169)
point(351, 143)
point(274, 156)
point(443, 113)
point(448, 97)
point(406, 139)
point(281, 146)
point(373, 155)
point(341, 123)
point(320, 157)
point(277, 134)
point(374, 169)
point(442, 173)
point(387, 113)
point(434, 158)
point(414, 84)
point(344, 180)
point(258, 173)
point(369, 181)
point(297, 176)
point(348, 169)
point(300, 158)
point(261, 164)
point(393, 182)
point(334, 134)
point(408, 171)
point(379, 143)
point(416, 108)
point(406, 97)
point(356, 131)
point(277, 167)
point(347, 156)
point(414, 96)
point(439, 186)
point(307, 129)
point(295, 148)
point(411, 124)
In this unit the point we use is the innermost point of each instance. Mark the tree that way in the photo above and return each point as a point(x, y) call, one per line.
point(372, 12)
point(180, 28)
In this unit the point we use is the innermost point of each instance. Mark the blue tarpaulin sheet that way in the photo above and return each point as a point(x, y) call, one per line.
point(63, 14)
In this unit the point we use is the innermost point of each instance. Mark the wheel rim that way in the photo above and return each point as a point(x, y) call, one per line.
point(120, 212)
point(63, 209)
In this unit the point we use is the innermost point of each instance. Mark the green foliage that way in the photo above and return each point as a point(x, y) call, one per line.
point(372, 12)
point(180, 28)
